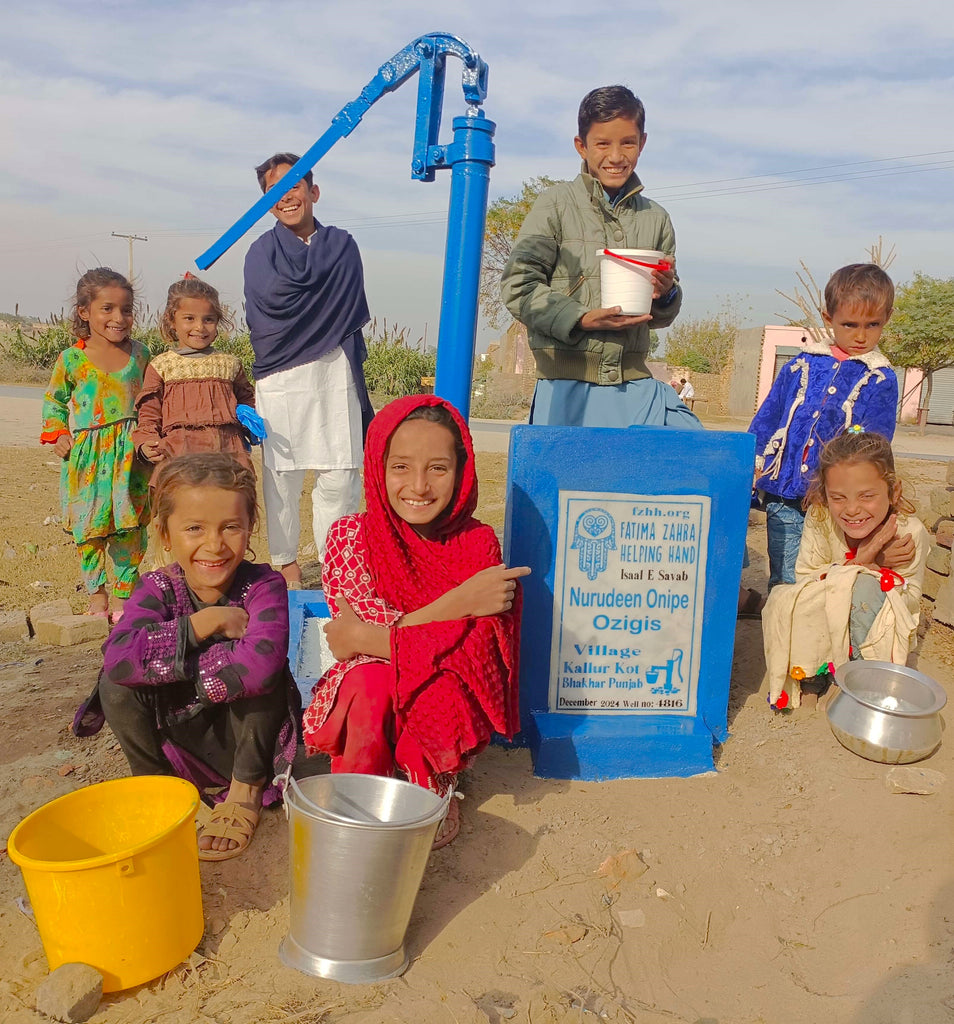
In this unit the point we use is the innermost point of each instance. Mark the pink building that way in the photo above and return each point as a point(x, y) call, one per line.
point(779, 344)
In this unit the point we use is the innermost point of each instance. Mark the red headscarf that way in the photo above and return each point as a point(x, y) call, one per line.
point(452, 677)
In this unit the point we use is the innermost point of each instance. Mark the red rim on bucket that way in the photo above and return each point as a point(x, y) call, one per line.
point(661, 265)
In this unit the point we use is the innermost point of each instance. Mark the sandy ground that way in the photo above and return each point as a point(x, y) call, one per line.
point(790, 885)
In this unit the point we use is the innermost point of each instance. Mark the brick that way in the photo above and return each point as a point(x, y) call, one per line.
point(932, 583)
point(50, 609)
point(70, 994)
point(939, 560)
point(945, 532)
point(66, 630)
point(944, 602)
point(14, 626)
point(942, 501)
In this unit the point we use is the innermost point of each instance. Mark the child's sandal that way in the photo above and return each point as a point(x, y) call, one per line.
point(232, 821)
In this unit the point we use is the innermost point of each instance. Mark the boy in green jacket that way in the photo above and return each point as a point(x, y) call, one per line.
point(591, 361)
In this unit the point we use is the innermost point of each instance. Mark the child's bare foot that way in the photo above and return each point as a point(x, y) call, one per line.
point(116, 612)
point(809, 700)
point(233, 822)
point(292, 574)
point(98, 603)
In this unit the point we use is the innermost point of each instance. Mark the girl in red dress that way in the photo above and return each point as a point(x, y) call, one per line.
point(425, 615)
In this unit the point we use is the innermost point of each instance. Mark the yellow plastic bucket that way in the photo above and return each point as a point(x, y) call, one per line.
point(112, 871)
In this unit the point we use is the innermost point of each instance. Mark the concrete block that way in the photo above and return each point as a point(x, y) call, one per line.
point(932, 584)
point(14, 626)
point(939, 560)
point(944, 602)
point(66, 630)
point(945, 532)
point(70, 994)
point(50, 609)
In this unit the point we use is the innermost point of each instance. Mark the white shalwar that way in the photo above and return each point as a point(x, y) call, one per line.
point(312, 417)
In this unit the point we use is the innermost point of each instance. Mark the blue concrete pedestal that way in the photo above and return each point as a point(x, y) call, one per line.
point(307, 613)
point(636, 539)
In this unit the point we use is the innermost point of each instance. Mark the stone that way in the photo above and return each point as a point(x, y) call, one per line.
point(932, 584)
point(13, 626)
point(950, 472)
point(50, 609)
point(908, 779)
point(942, 501)
point(70, 994)
point(67, 630)
point(945, 532)
point(939, 560)
point(944, 602)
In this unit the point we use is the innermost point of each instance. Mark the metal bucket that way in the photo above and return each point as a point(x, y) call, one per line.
point(886, 713)
point(358, 846)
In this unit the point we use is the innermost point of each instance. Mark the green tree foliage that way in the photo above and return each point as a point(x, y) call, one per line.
point(704, 345)
point(504, 218)
point(920, 333)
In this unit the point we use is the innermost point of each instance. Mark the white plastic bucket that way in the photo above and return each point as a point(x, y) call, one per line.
point(627, 284)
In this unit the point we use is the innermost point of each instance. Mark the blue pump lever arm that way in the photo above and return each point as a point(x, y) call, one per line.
point(391, 75)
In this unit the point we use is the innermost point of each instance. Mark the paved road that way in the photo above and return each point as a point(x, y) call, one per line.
point(20, 424)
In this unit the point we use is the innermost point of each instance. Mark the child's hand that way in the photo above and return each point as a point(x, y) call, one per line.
point(897, 552)
point(869, 549)
point(151, 452)
point(345, 633)
point(63, 445)
point(488, 592)
point(611, 319)
point(663, 280)
point(221, 621)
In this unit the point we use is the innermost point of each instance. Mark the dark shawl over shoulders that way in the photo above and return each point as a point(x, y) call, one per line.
point(303, 301)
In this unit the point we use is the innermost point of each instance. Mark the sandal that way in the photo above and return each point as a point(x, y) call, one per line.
point(752, 607)
point(449, 828)
point(233, 821)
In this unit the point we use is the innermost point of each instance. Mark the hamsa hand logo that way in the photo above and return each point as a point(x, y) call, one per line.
point(594, 536)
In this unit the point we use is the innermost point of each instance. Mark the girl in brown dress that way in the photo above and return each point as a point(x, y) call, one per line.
point(190, 393)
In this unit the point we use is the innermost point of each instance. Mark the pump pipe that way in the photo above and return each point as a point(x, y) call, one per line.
point(469, 157)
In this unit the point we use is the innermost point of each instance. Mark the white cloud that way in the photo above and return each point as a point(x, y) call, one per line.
point(148, 118)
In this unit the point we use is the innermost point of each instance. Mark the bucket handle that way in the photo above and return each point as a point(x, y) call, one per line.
point(325, 813)
point(661, 265)
point(366, 818)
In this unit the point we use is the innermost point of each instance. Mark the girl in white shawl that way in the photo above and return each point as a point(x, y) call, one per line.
point(858, 577)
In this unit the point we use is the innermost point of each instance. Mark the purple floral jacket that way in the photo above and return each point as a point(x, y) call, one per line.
point(152, 646)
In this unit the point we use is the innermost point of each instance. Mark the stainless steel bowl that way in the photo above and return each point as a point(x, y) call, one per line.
point(885, 712)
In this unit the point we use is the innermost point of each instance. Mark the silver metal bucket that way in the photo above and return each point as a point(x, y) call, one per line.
point(358, 846)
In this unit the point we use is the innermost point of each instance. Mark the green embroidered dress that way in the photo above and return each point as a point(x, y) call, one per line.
point(103, 486)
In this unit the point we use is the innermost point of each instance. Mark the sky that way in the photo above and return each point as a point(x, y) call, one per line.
point(776, 133)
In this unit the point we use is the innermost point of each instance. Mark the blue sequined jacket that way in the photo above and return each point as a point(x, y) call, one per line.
point(814, 398)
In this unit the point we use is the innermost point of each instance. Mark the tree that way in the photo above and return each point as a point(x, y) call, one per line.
point(920, 333)
point(704, 345)
point(504, 218)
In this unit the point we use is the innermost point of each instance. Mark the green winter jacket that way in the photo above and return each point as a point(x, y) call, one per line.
point(553, 277)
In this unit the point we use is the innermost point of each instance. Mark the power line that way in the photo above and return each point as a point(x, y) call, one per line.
point(805, 170)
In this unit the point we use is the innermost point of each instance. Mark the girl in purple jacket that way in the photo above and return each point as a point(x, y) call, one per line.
point(195, 679)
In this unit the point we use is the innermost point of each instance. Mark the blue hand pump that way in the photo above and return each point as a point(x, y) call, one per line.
point(469, 157)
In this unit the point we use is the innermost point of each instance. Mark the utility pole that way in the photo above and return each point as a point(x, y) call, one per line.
point(132, 238)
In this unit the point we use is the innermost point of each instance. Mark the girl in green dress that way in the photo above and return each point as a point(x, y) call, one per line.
point(103, 486)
